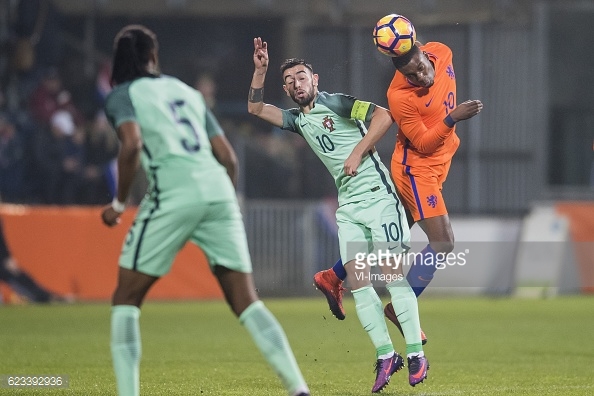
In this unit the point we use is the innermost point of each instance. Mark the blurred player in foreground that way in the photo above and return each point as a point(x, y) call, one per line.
point(166, 126)
point(422, 101)
point(332, 125)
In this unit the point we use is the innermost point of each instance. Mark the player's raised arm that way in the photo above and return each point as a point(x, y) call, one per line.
point(426, 140)
point(256, 104)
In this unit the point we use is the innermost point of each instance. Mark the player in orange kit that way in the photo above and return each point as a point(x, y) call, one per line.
point(422, 101)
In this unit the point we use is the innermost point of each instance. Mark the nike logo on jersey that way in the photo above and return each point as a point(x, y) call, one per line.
point(428, 103)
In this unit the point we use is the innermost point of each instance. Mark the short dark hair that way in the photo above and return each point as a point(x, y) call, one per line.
point(291, 62)
point(132, 49)
point(403, 60)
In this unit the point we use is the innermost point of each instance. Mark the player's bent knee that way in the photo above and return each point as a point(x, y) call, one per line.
point(126, 298)
point(130, 294)
point(442, 247)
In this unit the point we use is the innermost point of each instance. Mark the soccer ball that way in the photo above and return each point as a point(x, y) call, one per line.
point(394, 35)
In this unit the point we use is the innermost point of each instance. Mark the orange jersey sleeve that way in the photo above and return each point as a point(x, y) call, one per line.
point(423, 138)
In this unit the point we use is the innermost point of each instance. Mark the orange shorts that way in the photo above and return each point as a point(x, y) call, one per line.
point(420, 188)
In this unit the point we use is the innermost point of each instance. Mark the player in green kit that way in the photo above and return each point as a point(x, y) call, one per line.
point(369, 212)
point(165, 126)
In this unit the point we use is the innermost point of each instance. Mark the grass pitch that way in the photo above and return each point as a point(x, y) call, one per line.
point(477, 346)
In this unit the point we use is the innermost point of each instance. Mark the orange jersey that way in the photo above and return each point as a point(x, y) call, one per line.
point(423, 138)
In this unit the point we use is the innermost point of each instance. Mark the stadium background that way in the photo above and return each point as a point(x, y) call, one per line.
point(523, 176)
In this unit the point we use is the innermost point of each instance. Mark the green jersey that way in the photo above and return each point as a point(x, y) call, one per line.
point(176, 125)
point(332, 129)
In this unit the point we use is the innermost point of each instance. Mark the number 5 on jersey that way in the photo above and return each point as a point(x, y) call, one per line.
point(177, 108)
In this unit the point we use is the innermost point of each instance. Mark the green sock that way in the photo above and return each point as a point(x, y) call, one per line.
point(370, 313)
point(271, 340)
point(126, 348)
point(407, 311)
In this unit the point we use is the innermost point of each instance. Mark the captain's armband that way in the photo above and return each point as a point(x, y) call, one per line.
point(360, 109)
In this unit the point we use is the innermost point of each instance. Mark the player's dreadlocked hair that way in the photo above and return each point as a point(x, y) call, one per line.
point(289, 63)
point(402, 60)
point(132, 49)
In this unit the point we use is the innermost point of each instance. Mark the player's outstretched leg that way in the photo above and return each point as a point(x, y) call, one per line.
point(404, 302)
point(328, 283)
point(390, 314)
point(261, 324)
point(369, 312)
point(272, 342)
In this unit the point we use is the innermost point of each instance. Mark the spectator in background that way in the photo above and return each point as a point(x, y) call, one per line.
point(101, 148)
point(11, 160)
point(16, 157)
point(207, 85)
point(103, 82)
point(49, 97)
point(60, 155)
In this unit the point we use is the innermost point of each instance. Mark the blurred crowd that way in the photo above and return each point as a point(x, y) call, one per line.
point(51, 152)
point(57, 148)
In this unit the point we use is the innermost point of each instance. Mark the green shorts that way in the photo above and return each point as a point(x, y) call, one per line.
point(372, 225)
point(160, 231)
